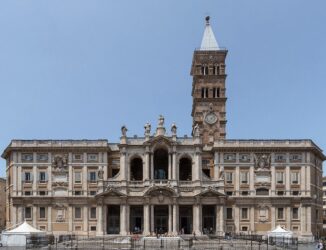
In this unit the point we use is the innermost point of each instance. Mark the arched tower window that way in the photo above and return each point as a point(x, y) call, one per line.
point(136, 169)
point(161, 164)
point(204, 70)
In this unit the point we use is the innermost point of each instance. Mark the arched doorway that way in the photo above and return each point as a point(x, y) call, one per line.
point(136, 169)
point(185, 169)
point(161, 164)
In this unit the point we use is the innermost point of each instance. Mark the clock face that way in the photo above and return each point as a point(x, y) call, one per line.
point(210, 118)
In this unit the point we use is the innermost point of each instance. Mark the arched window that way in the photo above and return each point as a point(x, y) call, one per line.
point(136, 169)
point(204, 70)
point(161, 164)
point(185, 169)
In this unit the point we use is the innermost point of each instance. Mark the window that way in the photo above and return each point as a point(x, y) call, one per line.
point(92, 176)
point(27, 193)
point(42, 228)
point(27, 157)
point(295, 213)
point(77, 228)
point(93, 213)
point(78, 157)
point(295, 157)
point(216, 70)
point(42, 157)
point(216, 92)
point(42, 176)
point(204, 93)
point(280, 213)
point(244, 228)
point(229, 193)
point(93, 228)
point(92, 192)
point(296, 192)
point(279, 157)
point(244, 213)
point(27, 177)
point(229, 177)
point(42, 212)
point(279, 177)
point(244, 177)
point(42, 192)
point(92, 157)
point(245, 193)
point(229, 157)
point(295, 177)
point(78, 192)
point(229, 213)
point(204, 70)
point(244, 157)
point(281, 193)
point(77, 212)
point(262, 191)
point(28, 213)
point(78, 177)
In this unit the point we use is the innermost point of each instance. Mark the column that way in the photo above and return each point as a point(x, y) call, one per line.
point(35, 179)
point(152, 166)
point(216, 167)
point(308, 181)
point(170, 167)
point(196, 168)
point(14, 215)
point(85, 180)
point(288, 218)
point(99, 225)
point(152, 218)
point(237, 180)
point(273, 180)
point(70, 218)
point(252, 181)
point(20, 214)
point(123, 173)
point(49, 180)
point(34, 215)
point(70, 180)
point(170, 220)
point(19, 175)
point(123, 216)
point(14, 180)
point(287, 180)
point(237, 218)
point(303, 219)
point(85, 220)
point(302, 180)
point(146, 220)
point(197, 219)
point(222, 219)
point(273, 218)
point(308, 219)
point(174, 166)
point(49, 219)
point(175, 219)
point(252, 219)
point(146, 167)
point(217, 220)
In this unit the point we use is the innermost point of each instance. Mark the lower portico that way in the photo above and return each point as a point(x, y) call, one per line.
point(160, 211)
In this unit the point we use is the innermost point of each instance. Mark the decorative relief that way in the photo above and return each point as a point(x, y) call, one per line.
point(262, 162)
point(61, 212)
point(60, 163)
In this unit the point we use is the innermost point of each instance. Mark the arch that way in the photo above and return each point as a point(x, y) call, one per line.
point(164, 190)
point(136, 169)
point(161, 163)
point(185, 168)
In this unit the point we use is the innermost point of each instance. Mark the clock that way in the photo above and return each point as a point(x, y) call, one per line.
point(210, 118)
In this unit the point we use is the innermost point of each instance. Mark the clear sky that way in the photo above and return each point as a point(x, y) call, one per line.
point(81, 69)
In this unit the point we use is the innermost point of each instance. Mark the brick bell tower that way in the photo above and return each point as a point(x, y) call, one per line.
point(208, 88)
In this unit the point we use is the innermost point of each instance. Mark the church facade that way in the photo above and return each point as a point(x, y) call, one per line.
point(164, 183)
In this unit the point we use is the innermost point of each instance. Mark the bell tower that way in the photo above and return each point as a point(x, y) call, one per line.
point(208, 88)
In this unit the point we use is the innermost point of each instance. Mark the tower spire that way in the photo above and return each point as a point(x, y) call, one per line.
point(208, 42)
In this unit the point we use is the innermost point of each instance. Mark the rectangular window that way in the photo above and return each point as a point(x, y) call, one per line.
point(280, 213)
point(244, 177)
point(27, 176)
point(92, 176)
point(28, 193)
point(42, 212)
point(295, 177)
point(93, 228)
point(42, 176)
point(27, 157)
point(244, 213)
point(216, 92)
point(28, 213)
point(93, 213)
point(78, 176)
point(92, 157)
point(78, 157)
point(42, 157)
point(77, 212)
point(229, 213)
point(279, 177)
point(295, 213)
point(229, 177)
point(78, 192)
point(92, 192)
point(244, 228)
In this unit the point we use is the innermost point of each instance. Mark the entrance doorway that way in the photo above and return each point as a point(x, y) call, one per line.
point(161, 219)
point(185, 219)
point(209, 219)
point(113, 219)
point(136, 219)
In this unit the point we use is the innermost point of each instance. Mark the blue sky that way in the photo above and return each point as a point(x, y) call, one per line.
point(81, 69)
